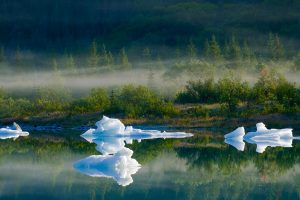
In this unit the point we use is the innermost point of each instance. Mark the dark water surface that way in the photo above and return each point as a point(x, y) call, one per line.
point(41, 166)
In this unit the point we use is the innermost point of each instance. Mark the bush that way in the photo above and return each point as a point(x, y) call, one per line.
point(97, 101)
point(141, 102)
point(15, 108)
point(199, 92)
point(52, 99)
point(275, 93)
point(231, 92)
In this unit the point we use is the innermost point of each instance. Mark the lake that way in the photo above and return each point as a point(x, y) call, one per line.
point(53, 165)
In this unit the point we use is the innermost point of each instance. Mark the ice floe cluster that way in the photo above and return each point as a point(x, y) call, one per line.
point(13, 132)
point(116, 160)
point(262, 137)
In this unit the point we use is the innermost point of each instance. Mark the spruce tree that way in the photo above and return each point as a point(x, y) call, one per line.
point(192, 50)
point(71, 64)
point(297, 62)
point(94, 56)
point(125, 64)
point(110, 59)
point(276, 50)
point(18, 56)
point(246, 51)
point(214, 49)
point(233, 49)
point(2, 54)
point(147, 54)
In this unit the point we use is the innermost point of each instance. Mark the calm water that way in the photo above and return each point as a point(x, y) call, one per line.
point(41, 166)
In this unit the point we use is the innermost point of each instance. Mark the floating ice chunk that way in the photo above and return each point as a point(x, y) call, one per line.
point(12, 132)
point(263, 131)
point(111, 135)
point(116, 162)
point(235, 138)
point(264, 137)
point(237, 133)
point(109, 127)
point(120, 166)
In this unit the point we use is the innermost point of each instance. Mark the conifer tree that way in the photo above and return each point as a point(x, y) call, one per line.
point(2, 54)
point(18, 56)
point(57, 77)
point(110, 59)
point(104, 54)
point(233, 49)
point(177, 55)
point(246, 51)
point(212, 49)
point(94, 56)
point(125, 64)
point(276, 50)
point(297, 62)
point(147, 54)
point(192, 50)
point(71, 64)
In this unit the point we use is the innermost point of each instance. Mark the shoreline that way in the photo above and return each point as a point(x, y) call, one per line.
point(81, 122)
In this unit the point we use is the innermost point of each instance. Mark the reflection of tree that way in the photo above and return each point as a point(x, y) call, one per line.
point(149, 149)
point(275, 161)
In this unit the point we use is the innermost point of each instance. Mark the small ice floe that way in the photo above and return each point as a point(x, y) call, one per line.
point(111, 127)
point(262, 137)
point(119, 166)
point(237, 133)
point(111, 135)
point(14, 132)
point(235, 138)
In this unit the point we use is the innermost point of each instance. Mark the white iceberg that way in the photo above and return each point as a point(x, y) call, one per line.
point(12, 132)
point(262, 137)
point(237, 133)
point(111, 127)
point(261, 130)
point(111, 135)
point(119, 166)
point(235, 138)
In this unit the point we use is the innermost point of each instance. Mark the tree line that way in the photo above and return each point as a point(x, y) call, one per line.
point(98, 56)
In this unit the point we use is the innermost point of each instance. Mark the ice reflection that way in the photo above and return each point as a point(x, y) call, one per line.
point(262, 137)
point(110, 137)
point(13, 132)
point(119, 166)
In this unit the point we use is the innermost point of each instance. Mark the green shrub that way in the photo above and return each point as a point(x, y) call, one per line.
point(199, 92)
point(98, 100)
point(52, 99)
point(231, 92)
point(275, 93)
point(15, 108)
point(141, 102)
